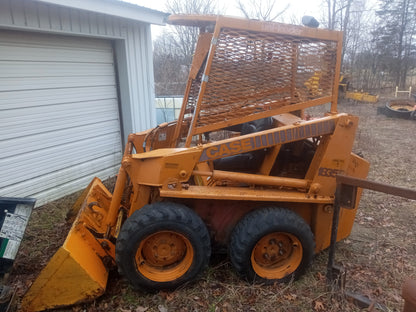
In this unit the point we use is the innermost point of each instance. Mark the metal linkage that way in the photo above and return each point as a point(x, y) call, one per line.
point(345, 196)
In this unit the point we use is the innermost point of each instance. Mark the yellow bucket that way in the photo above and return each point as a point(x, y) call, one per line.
point(79, 269)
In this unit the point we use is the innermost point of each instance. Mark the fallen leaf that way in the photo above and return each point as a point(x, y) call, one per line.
point(290, 297)
point(321, 276)
point(162, 308)
point(168, 296)
point(319, 306)
point(226, 307)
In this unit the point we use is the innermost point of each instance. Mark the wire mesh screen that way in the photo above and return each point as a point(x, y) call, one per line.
point(252, 72)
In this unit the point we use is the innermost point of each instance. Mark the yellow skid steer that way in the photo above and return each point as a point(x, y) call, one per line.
point(240, 169)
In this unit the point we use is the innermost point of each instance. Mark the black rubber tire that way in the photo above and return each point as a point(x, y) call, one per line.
point(269, 221)
point(390, 112)
point(159, 217)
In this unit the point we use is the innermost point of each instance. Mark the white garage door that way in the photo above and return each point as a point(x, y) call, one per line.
point(59, 118)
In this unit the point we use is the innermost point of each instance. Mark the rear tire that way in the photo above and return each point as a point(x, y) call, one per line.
point(271, 245)
point(162, 246)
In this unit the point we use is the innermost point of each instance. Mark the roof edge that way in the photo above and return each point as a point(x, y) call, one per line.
point(114, 8)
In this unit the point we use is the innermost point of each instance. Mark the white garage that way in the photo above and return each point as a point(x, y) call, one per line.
point(71, 93)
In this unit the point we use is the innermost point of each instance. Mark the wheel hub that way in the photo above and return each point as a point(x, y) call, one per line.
point(273, 249)
point(276, 255)
point(163, 249)
point(164, 256)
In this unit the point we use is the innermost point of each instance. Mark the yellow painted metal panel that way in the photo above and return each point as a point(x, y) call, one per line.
point(243, 193)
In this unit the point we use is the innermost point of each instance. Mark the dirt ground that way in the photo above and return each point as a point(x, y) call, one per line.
point(378, 256)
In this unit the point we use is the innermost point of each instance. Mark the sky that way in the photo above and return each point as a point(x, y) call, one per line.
point(297, 9)
point(301, 7)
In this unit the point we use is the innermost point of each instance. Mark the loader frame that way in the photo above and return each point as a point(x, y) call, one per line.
point(248, 86)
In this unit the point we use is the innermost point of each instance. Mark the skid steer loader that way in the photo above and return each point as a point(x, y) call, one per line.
point(240, 169)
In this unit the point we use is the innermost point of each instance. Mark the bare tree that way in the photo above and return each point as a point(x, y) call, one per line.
point(337, 14)
point(265, 10)
point(395, 38)
point(186, 37)
point(170, 74)
point(358, 46)
point(173, 50)
point(356, 19)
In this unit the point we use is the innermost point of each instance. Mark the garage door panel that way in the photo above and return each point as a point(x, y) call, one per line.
point(31, 143)
point(60, 112)
point(59, 119)
point(24, 126)
point(85, 172)
point(21, 166)
point(33, 83)
point(43, 97)
point(34, 128)
point(22, 39)
point(72, 186)
point(15, 69)
point(56, 54)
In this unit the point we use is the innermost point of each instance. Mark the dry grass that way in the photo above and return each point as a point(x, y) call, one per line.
point(378, 255)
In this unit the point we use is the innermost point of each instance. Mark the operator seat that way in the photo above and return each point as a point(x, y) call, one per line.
point(249, 161)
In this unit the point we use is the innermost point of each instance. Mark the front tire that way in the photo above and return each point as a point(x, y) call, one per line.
point(271, 245)
point(162, 246)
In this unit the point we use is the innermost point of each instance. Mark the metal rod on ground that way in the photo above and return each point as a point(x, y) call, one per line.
point(377, 186)
point(334, 232)
point(365, 184)
point(341, 183)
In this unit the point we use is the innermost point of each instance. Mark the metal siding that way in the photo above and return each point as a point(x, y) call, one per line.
point(65, 19)
point(141, 56)
point(5, 13)
point(150, 83)
point(17, 10)
point(135, 70)
point(32, 19)
point(119, 9)
point(124, 88)
point(132, 72)
point(59, 125)
point(32, 15)
point(140, 72)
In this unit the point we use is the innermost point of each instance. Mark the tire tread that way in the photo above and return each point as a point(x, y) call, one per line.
point(259, 223)
point(151, 216)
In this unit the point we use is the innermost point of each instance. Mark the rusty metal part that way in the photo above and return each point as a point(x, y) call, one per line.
point(364, 302)
point(334, 231)
point(164, 256)
point(351, 184)
point(409, 295)
point(254, 179)
point(345, 196)
point(238, 193)
point(256, 69)
point(276, 255)
point(377, 186)
point(402, 105)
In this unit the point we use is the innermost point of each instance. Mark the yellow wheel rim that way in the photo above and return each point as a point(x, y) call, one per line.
point(276, 255)
point(164, 256)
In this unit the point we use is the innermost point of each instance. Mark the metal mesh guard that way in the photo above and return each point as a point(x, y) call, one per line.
point(252, 72)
